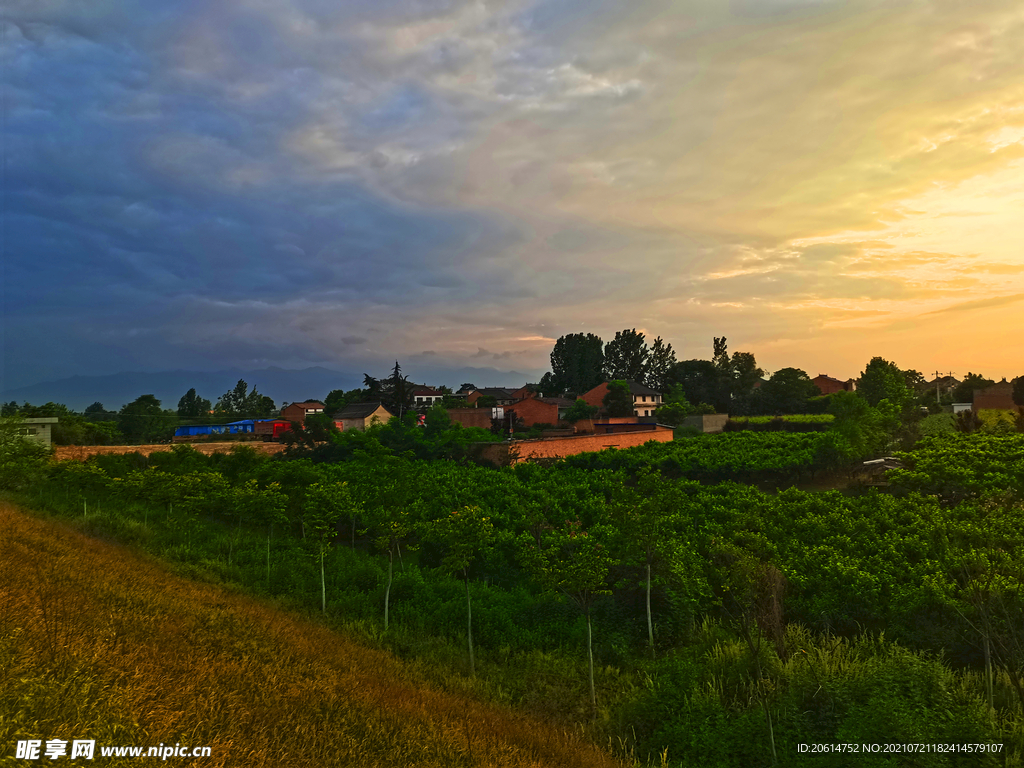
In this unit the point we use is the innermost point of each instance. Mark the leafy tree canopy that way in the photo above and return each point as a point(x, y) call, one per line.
point(699, 379)
point(395, 392)
point(787, 391)
point(883, 380)
point(661, 360)
point(577, 362)
point(193, 407)
point(338, 399)
point(619, 400)
point(626, 357)
point(143, 420)
point(964, 391)
point(580, 411)
point(239, 404)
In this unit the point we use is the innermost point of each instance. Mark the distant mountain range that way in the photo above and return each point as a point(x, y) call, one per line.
point(283, 385)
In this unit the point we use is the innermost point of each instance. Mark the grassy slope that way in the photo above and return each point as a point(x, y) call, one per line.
point(98, 642)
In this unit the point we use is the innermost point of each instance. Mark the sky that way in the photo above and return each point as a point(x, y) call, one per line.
point(244, 183)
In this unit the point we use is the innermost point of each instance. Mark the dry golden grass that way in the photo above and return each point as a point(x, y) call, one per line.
point(98, 642)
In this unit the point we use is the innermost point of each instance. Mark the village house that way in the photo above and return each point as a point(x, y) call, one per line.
point(997, 397)
point(645, 400)
point(361, 415)
point(424, 396)
point(502, 395)
point(39, 429)
point(828, 385)
point(299, 411)
point(541, 410)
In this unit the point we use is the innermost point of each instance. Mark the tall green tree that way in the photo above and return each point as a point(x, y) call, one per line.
point(575, 562)
point(745, 375)
point(619, 400)
point(787, 391)
point(577, 362)
point(650, 524)
point(964, 391)
point(326, 505)
point(675, 408)
point(143, 420)
point(193, 407)
point(338, 399)
point(395, 392)
point(627, 356)
point(883, 380)
point(661, 361)
point(391, 526)
point(699, 379)
point(580, 411)
point(464, 534)
point(239, 403)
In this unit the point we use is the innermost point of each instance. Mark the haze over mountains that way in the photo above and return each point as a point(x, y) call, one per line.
point(283, 385)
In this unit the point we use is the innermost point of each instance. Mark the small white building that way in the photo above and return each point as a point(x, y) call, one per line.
point(39, 429)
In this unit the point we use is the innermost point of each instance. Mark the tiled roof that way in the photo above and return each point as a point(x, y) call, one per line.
point(357, 410)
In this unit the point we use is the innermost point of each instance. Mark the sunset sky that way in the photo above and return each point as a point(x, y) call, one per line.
point(345, 182)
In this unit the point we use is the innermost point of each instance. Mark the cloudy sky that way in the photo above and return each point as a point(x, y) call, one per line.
point(300, 182)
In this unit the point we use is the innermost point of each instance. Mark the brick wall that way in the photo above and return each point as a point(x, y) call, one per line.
point(998, 396)
point(82, 452)
point(533, 411)
point(556, 447)
point(471, 417)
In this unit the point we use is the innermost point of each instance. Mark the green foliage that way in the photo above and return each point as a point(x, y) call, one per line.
point(143, 420)
point(618, 401)
point(787, 391)
point(193, 408)
point(239, 403)
point(627, 356)
point(962, 466)
point(882, 380)
point(702, 705)
point(964, 391)
point(730, 456)
point(935, 565)
point(22, 459)
point(395, 392)
point(337, 399)
point(661, 361)
point(577, 362)
point(675, 407)
point(700, 380)
point(580, 411)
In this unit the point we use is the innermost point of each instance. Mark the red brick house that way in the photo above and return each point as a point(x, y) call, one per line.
point(299, 411)
point(645, 400)
point(541, 410)
point(997, 397)
point(827, 385)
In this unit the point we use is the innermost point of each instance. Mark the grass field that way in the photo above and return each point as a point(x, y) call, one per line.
point(99, 642)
